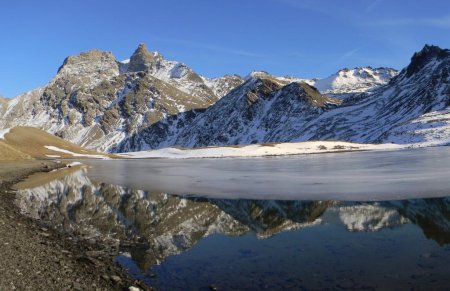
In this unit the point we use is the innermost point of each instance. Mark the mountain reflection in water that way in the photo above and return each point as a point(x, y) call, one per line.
point(151, 227)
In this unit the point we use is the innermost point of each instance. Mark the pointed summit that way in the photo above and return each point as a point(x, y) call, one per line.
point(141, 59)
point(422, 58)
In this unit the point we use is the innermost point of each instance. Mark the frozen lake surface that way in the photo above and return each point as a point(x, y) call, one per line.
point(361, 176)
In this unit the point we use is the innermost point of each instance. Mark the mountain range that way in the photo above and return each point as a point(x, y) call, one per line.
point(148, 102)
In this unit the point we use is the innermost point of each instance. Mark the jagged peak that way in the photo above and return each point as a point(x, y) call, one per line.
point(422, 58)
point(141, 60)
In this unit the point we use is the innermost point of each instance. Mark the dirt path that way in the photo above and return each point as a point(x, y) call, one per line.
point(36, 258)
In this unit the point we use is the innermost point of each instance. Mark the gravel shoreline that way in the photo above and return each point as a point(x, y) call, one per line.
point(36, 257)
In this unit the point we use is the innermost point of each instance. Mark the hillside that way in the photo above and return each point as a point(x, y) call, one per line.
point(27, 142)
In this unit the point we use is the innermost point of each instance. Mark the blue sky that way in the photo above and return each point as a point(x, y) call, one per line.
point(304, 38)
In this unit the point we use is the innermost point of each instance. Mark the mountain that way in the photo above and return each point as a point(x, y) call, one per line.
point(96, 101)
point(254, 112)
point(266, 109)
point(148, 102)
point(357, 80)
point(421, 88)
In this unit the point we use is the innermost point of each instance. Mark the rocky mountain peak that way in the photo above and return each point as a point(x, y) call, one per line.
point(425, 56)
point(141, 59)
point(89, 66)
point(260, 88)
point(92, 56)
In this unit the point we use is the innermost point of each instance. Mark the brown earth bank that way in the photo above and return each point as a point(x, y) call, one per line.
point(36, 257)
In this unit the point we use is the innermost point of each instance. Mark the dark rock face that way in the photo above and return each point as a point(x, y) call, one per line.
point(427, 54)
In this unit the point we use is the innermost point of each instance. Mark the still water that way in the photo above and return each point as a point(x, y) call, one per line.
point(276, 229)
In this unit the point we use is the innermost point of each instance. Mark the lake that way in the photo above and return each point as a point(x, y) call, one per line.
point(372, 220)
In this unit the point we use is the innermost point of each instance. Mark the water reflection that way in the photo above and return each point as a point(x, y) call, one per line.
point(153, 226)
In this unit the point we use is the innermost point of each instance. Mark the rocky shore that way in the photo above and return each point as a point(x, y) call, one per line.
point(36, 257)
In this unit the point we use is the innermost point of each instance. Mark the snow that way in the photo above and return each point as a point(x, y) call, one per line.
point(355, 80)
point(56, 149)
point(4, 132)
point(365, 217)
point(52, 156)
point(431, 129)
point(260, 150)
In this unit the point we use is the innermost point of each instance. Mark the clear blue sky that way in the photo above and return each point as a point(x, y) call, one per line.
point(304, 38)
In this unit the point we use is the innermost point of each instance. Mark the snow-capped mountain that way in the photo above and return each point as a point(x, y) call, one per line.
point(357, 80)
point(96, 101)
point(265, 109)
point(261, 109)
point(148, 102)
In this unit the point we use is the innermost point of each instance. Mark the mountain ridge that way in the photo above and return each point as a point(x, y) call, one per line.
point(149, 102)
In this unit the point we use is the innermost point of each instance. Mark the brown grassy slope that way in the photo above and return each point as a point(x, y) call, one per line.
point(32, 141)
point(8, 153)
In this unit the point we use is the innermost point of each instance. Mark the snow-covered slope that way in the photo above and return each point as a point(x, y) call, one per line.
point(261, 109)
point(421, 88)
point(430, 129)
point(357, 80)
point(264, 109)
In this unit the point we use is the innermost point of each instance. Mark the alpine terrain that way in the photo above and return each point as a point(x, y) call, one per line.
point(148, 102)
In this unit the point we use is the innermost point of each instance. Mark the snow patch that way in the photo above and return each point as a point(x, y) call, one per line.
point(280, 149)
point(56, 149)
point(4, 132)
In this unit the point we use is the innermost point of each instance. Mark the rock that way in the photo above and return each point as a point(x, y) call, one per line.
point(116, 279)
point(141, 60)
point(94, 254)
